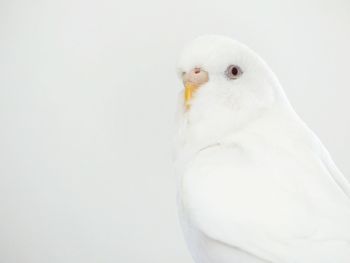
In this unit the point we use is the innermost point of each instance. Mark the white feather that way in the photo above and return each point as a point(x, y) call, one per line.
point(255, 184)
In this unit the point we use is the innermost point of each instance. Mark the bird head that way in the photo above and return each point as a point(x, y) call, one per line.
point(226, 84)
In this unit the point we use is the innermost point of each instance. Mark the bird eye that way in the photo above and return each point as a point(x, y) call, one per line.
point(233, 72)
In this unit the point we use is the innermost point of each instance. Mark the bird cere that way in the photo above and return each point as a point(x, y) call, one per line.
point(192, 80)
point(255, 183)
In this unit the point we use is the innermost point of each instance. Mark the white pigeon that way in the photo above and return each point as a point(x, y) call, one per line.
point(255, 183)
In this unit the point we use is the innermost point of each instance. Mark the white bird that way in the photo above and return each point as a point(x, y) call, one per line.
point(255, 183)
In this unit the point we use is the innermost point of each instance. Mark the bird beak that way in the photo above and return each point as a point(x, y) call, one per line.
point(190, 89)
point(192, 81)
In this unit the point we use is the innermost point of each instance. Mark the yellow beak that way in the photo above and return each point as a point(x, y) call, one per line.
point(190, 89)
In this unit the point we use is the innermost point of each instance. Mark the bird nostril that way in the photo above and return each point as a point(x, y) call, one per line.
point(197, 70)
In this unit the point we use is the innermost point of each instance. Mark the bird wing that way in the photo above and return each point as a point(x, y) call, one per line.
point(279, 202)
point(333, 170)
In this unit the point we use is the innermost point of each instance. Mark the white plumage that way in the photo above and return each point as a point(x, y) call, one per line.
point(255, 184)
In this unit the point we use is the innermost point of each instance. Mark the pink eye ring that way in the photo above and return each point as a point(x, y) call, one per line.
point(233, 72)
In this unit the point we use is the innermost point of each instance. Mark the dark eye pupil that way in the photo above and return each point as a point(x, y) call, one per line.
point(234, 71)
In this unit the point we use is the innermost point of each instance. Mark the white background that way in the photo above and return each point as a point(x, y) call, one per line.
point(87, 100)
